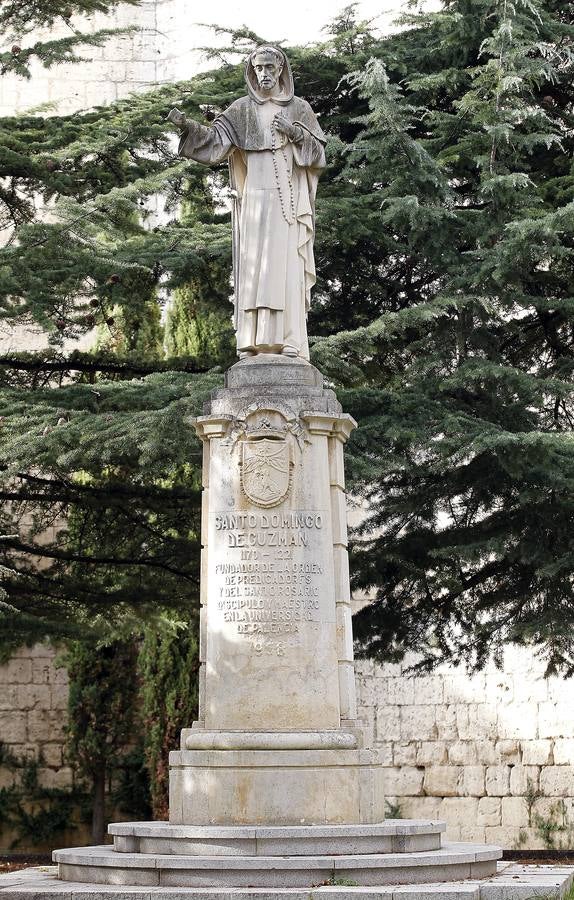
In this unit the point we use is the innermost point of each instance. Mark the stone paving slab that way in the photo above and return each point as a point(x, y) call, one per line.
point(518, 882)
point(512, 882)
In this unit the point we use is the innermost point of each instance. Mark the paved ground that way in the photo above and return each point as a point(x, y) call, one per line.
point(512, 882)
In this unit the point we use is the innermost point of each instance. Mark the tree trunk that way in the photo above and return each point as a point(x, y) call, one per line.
point(99, 806)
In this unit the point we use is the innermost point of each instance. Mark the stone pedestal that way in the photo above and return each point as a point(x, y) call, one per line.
point(277, 742)
point(272, 788)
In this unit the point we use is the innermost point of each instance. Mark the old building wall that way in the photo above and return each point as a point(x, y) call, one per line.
point(33, 715)
point(154, 53)
point(491, 754)
point(33, 704)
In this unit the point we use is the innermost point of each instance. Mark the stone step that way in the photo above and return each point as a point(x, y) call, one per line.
point(103, 865)
point(512, 882)
point(392, 836)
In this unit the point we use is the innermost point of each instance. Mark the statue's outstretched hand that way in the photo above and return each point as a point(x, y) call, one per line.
point(176, 117)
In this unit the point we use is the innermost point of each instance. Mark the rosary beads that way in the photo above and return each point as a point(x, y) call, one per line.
point(289, 216)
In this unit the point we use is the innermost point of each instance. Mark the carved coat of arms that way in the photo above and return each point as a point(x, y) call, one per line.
point(265, 471)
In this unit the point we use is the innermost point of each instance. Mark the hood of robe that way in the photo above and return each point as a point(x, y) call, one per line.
point(285, 79)
point(242, 123)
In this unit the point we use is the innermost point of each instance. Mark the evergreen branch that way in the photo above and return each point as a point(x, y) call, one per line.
point(45, 552)
point(89, 363)
point(63, 491)
point(35, 590)
point(56, 52)
point(25, 15)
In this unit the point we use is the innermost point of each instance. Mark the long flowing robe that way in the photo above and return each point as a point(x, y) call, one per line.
point(274, 182)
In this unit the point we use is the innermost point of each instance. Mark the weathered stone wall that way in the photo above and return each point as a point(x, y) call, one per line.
point(456, 748)
point(33, 715)
point(154, 53)
point(33, 703)
point(472, 750)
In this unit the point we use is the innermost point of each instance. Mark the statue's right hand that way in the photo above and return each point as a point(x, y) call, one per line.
point(176, 117)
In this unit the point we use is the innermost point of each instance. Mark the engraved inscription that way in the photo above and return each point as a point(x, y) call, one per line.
point(269, 580)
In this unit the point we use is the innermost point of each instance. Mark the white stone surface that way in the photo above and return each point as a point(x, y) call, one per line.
point(271, 649)
point(394, 836)
point(105, 866)
point(157, 52)
point(196, 739)
point(275, 786)
point(274, 743)
point(275, 149)
point(469, 725)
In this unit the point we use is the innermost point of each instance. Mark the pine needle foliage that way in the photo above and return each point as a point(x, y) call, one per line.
point(463, 382)
point(101, 716)
point(443, 317)
point(169, 668)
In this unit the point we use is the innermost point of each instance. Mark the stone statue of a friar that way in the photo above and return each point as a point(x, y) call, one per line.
point(275, 150)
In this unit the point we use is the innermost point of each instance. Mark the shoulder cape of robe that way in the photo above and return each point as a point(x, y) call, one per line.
point(244, 128)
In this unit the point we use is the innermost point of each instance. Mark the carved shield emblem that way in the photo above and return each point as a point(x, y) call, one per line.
point(265, 471)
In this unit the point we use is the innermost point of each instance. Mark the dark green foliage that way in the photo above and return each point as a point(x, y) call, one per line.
point(117, 473)
point(169, 666)
point(443, 316)
point(101, 703)
point(102, 715)
point(38, 815)
point(194, 328)
point(130, 793)
point(123, 487)
point(463, 386)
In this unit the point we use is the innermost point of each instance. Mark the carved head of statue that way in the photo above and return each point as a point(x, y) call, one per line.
point(268, 74)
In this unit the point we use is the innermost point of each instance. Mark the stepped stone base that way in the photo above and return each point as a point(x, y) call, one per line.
point(103, 865)
point(393, 836)
point(511, 882)
point(160, 854)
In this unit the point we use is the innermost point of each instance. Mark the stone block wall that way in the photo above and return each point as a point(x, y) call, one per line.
point(33, 715)
point(154, 53)
point(492, 754)
point(33, 705)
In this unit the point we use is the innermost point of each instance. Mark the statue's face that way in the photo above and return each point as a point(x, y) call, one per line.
point(267, 70)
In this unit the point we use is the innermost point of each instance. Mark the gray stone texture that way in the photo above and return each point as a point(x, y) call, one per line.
point(470, 815)
point(276, 741)
point(511, 882)
point(387, 837)
point(102, 865)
